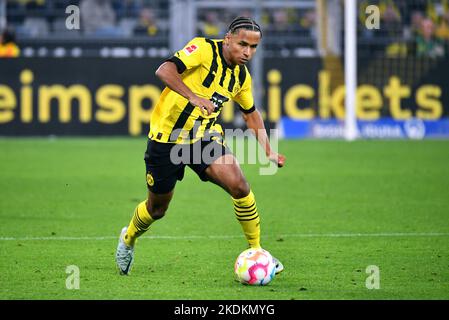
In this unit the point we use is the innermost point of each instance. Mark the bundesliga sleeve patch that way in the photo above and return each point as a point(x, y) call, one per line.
point(190, 49)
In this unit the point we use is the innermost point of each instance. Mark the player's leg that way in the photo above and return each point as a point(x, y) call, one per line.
point(146, 212)
point(226, 172)
point(144, 215)
point(219, 166)
point(161, 176)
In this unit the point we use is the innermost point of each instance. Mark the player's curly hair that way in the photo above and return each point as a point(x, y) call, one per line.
point(244, 23)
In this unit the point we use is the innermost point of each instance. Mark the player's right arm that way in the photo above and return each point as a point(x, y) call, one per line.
point(168, 73)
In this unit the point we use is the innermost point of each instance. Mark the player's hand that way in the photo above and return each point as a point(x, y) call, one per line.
point(206, 106)
point(277, 158)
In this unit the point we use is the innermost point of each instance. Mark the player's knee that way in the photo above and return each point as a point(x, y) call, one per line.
point(157, 211)
point(240, 189)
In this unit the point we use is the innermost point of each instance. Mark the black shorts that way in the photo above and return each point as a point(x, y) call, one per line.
point(165, 162)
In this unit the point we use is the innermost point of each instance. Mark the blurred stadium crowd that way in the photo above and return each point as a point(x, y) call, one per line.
point(148, 20)
point(100, 18)
point(416, 27)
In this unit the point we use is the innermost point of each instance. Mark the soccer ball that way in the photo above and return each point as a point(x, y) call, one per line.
point(255, 267)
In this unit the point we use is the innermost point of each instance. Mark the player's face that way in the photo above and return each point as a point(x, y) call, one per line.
point(241, 47)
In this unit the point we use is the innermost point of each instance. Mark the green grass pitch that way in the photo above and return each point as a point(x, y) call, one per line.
point(335, 209)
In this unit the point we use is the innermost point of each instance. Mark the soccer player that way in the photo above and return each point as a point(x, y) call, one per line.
point(199, 79)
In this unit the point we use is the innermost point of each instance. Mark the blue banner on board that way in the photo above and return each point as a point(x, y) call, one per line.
point(385, 128)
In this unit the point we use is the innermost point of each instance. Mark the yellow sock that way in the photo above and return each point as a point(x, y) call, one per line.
point(246, 212)
point(139, 223)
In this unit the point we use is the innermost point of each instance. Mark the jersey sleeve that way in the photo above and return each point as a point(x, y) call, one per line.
point(245, 96)
point(190, 56)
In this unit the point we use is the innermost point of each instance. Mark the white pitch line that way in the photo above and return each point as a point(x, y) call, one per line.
point(382, 234)
point(193, 237)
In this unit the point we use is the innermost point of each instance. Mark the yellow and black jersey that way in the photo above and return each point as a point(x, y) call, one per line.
point(204, 70)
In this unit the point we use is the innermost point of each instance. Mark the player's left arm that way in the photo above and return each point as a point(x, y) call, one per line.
point(255, 123)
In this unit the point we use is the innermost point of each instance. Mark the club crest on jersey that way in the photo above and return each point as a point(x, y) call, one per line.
point(190, 49)
point(150, 179)
point(236, 89)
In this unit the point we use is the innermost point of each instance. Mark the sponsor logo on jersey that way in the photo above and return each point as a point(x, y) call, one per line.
point(190, 49)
